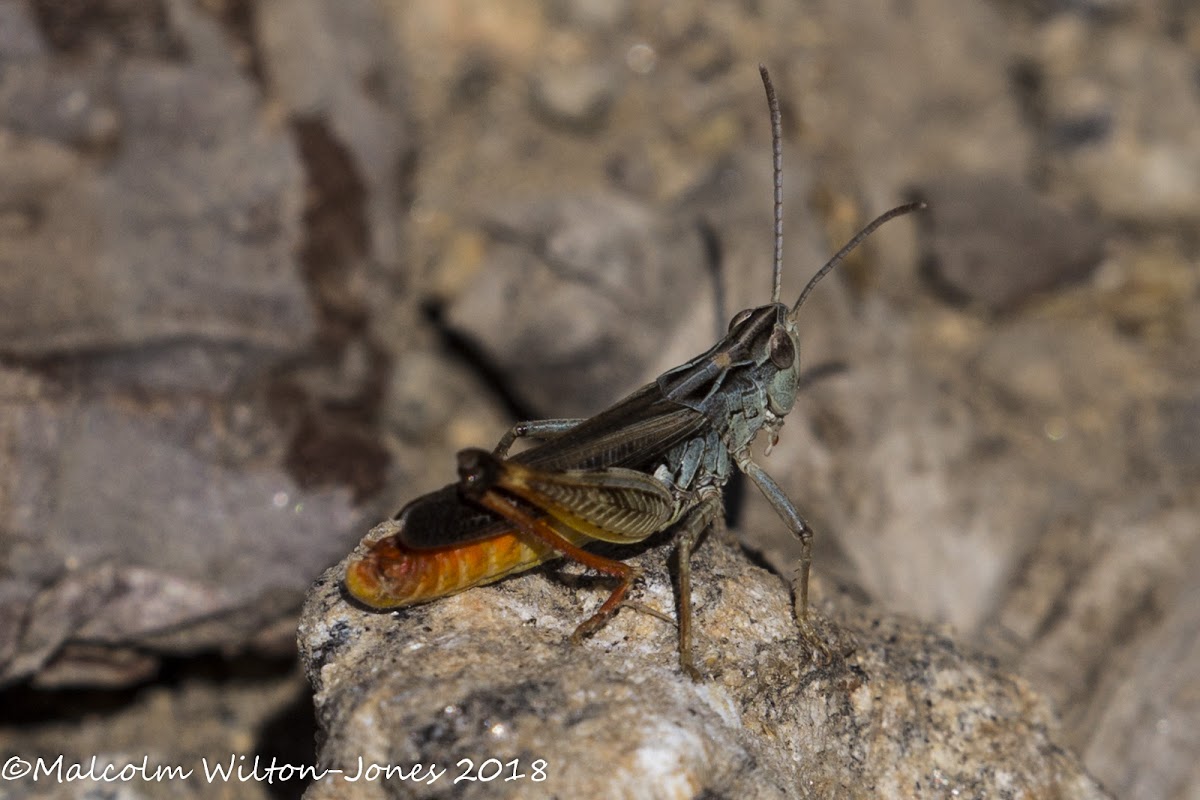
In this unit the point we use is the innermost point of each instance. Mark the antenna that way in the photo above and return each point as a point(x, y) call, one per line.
point(898, 211)
point(777, 165)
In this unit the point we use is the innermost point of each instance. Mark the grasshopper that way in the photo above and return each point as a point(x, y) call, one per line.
point(657, 459)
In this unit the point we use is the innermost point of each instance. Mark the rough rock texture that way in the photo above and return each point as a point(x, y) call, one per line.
point(900, 711)
point(150, 296)
point(173, 570)
point(261, 252)
point(174, 237)
point(571, 265)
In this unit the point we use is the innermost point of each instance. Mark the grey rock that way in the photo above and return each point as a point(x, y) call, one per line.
point(901, 124)
point(1180, 436)
point(207, 369)
point(899, 711)
point(152, 215)
point(997, 243)
point(174, 238)
point(573, 96)
point(598, 15)
point(1145, 739)
point(151, 556)
point(1098, 615)
point(568, 305)
point(428, 399)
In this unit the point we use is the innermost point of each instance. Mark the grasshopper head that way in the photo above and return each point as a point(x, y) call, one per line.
point(768, 335)
point(783, 351)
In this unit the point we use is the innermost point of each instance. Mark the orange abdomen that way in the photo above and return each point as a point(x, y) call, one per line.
point(392, 575)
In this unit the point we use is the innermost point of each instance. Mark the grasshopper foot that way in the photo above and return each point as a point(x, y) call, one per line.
point(617, 599)
point(817, 641)
point(593, 623)
point(814, 640)
point(824, 639)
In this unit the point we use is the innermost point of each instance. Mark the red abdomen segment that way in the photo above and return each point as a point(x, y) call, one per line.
point(392, 575)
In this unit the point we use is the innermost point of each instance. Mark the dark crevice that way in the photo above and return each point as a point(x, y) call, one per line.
point(476, 77)
point(337, 239)
point(406, 178)
point(951, 295)
point(328, 452)
point(26, 706)
point(1027, 81)
point(289, 737)
point(735, 498)
point(470, 354)
point(335, 439)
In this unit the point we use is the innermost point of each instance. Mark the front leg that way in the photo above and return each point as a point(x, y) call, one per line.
point(801, 530)
point(532, 427)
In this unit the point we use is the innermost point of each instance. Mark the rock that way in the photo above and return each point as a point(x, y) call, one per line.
point(895, 125)
point(1145, 740)
point(150, 293)
point(996, 243)
point(568, 306)
point(1029, 476)
point(1118, 109)
point(490, 674)
point(431, 400)
point(573, 96)
point(238, 709)
point(173, 238)
point(177, 550)
point(598, 15)
point(18, 33)
point(1098, 616)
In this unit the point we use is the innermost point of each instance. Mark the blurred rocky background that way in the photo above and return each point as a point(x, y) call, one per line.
point(265, 265)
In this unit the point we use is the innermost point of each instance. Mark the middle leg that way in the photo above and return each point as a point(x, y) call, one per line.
point(709, 512)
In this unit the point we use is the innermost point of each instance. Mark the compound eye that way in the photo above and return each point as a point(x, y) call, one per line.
point(739, 318)
point(781, 349)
